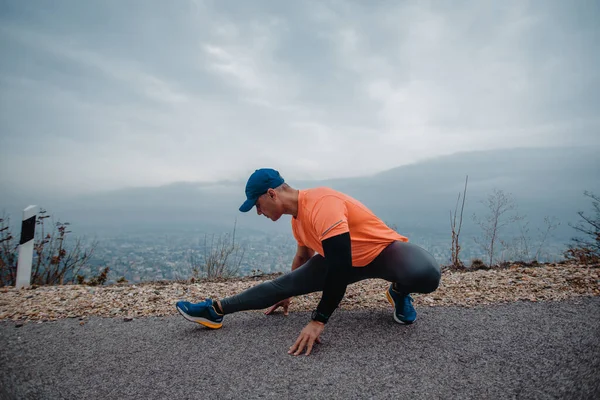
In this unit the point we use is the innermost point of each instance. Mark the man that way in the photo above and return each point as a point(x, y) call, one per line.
point(352, 244)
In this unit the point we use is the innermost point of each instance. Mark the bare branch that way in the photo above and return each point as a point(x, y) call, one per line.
point(587, 250)
point(455, 249)
point(221, 256)
point(498, 204)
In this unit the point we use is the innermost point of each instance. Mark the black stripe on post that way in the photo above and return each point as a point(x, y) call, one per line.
point(27, 230)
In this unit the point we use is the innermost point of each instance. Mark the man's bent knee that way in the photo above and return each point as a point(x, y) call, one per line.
point(430, 279)
point(432, 282)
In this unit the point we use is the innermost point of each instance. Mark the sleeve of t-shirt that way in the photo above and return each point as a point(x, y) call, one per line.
point(330, 217)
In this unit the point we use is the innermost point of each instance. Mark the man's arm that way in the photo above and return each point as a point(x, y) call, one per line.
point(338, 255)
point(303, 254)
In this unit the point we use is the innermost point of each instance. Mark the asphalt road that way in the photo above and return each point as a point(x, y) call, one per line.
point(521, 350)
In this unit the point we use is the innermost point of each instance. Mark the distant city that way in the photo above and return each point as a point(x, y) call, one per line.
point(167, 256)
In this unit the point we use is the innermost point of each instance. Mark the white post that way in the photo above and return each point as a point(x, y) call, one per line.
point(26, 247)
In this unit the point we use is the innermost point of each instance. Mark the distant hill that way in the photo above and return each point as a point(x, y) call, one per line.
point(541, 181)
point(416, 197)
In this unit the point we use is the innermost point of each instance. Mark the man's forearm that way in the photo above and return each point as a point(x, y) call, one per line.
point(333, 292)
point(298, 261)
point(338, 255)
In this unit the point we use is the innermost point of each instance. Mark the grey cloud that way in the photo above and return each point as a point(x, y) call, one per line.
point(145, 93)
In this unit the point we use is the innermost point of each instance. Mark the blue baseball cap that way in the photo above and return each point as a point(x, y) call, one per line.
point(258, 184)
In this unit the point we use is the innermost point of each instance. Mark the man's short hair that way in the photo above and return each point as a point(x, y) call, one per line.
point(284, 186)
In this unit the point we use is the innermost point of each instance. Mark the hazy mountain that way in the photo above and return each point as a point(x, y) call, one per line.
point(541, 182)
point(416, 198)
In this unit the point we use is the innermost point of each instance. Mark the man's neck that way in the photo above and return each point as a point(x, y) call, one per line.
point(291, 203)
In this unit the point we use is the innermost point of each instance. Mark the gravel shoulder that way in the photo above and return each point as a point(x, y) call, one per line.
point(549, 282)
point(521, 349)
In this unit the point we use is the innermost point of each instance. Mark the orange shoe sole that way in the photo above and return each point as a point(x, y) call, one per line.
point(201, 321)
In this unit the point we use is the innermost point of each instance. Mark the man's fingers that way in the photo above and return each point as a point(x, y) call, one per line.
point(295, 345)
point(283, 303)
point(273, 308)
point(301, 346)
point(309, 347)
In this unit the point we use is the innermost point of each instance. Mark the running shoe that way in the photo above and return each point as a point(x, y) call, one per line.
point(203, 313)
point(404, 312)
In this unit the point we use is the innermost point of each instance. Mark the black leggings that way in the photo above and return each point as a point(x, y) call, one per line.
point(410, 267)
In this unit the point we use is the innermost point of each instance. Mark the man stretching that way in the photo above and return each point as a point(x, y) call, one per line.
point(352, 244)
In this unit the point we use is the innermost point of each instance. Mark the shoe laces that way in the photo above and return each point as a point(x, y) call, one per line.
point(198, 306)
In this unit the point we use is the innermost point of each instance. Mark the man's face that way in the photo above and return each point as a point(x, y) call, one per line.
point(269, 205)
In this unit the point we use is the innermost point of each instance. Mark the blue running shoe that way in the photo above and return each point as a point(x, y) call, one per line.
point(404, 312)
point(203, 313)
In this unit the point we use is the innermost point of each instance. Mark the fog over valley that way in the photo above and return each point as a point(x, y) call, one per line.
point(415, 199)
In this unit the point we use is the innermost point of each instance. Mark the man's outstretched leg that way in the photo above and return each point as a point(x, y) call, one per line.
point(308, 278)
point(408, 267)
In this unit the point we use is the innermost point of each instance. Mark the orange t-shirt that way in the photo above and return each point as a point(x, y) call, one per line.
point(325, 212)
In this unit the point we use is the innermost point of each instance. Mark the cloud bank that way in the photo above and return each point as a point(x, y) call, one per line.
point(106, 94)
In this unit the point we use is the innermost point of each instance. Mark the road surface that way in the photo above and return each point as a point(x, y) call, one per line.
point(519, 350)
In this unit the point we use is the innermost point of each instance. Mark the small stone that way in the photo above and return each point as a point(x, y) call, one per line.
point(18, 325)
point(127, 319)
point(82, 323)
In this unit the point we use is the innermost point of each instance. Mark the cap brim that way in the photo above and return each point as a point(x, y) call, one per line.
point(248, 204)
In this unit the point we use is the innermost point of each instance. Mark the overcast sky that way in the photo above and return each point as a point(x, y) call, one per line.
point(102, 94)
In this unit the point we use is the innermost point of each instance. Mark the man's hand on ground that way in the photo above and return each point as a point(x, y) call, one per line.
point(283, 303)
point(309, 335)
